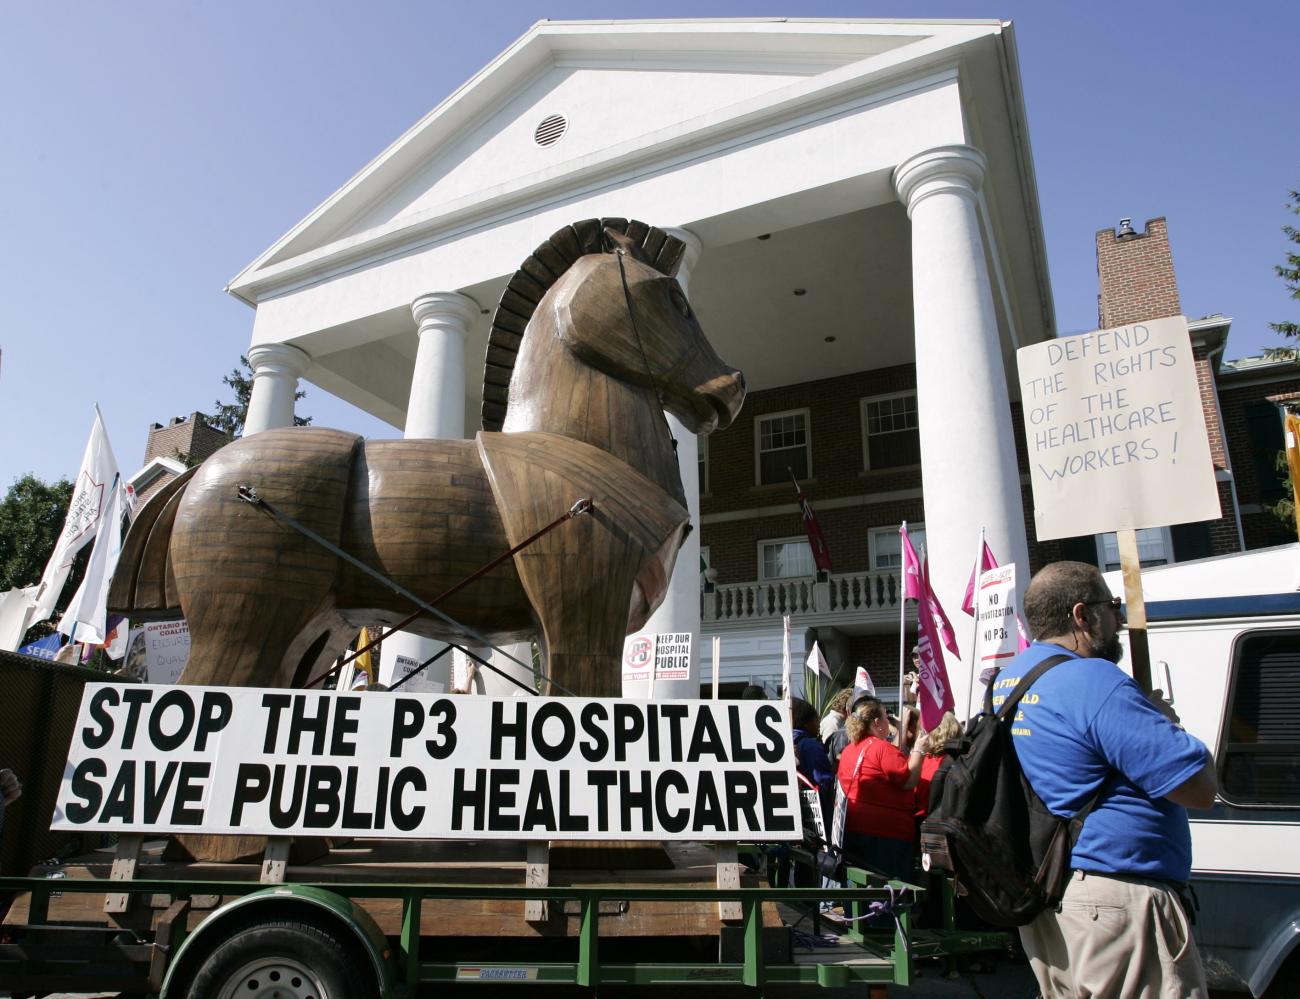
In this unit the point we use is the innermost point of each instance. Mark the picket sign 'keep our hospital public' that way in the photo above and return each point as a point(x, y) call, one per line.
point(154, 759)
point(1115, 431)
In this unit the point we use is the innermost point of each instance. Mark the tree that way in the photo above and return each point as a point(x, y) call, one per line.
point(229, 417)
point(31, 516)
point(1289, 272)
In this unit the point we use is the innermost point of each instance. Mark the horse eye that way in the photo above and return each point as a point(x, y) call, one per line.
point(679, 300)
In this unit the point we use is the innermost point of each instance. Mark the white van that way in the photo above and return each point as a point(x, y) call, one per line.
point(1225, 643)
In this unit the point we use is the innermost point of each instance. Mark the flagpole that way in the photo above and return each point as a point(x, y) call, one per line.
point(902, 618)
point(975, 637)
point(717, 662)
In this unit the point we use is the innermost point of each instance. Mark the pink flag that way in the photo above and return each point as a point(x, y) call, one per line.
point(986, 562)
point(1022, 635)
point(942, 626)
point(911, 567)
point(935, 693)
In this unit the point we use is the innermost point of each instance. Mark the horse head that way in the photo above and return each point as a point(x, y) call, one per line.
point(633, 321)
point(609, 287)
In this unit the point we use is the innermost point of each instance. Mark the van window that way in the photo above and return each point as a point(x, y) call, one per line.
point(1260, 761)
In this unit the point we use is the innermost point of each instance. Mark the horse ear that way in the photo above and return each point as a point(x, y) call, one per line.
point(616, 241)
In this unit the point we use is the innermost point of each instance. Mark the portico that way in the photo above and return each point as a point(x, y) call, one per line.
point(854, 195)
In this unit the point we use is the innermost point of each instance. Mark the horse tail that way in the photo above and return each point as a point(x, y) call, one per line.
point(143, 586)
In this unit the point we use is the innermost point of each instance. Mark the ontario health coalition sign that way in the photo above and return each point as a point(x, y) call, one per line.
point(1115, 431)
point(154, 759)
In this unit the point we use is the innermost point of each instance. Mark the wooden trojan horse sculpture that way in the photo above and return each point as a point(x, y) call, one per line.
point(592, 341)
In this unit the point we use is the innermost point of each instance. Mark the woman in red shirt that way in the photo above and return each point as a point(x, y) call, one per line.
point(878, 778)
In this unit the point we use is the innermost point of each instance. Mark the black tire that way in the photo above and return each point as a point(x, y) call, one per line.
point(287, 959)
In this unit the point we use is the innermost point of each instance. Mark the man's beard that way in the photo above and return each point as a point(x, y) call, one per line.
point(1109, 649)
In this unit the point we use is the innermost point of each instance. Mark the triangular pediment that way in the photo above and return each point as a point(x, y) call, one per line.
point(614, 91)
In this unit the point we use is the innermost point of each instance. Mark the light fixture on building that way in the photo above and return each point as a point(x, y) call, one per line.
point(710, 579)
point(1126, 227)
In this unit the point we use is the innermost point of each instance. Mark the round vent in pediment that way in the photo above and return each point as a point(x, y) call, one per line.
point(549, 129)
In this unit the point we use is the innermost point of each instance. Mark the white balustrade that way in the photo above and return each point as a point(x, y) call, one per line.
point(846, 593)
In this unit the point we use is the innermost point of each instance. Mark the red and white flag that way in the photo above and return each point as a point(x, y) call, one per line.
point(911, 566)
point(935, 694)
point(931, 608)
point(985, 563)
point(816, 540)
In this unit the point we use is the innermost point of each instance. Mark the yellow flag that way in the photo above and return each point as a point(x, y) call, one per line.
point(1293, 462)
point(365, 661)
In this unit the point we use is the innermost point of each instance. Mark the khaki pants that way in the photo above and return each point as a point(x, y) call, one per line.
point(1115, 938)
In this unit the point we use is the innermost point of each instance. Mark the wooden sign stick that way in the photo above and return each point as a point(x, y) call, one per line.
point(1135, 608)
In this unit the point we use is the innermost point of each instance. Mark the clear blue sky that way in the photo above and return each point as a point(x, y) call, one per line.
point(153, 148)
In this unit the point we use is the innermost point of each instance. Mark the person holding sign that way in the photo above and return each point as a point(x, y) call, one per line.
point(1086, 729)
point(877, 778)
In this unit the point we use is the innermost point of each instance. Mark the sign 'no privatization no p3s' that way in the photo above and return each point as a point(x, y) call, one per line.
point(1115, 431)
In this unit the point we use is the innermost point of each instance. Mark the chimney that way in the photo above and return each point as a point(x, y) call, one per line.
point(1135, 272)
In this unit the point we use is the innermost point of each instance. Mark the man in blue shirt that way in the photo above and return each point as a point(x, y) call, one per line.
point(1121, 929)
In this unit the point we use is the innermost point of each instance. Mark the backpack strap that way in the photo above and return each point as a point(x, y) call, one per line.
point(1009, 706)
point(1022, 688)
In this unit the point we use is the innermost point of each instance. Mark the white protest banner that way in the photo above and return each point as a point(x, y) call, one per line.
point(1115, 431)
point(156, 651)
point(154, 759)
point(995, 614)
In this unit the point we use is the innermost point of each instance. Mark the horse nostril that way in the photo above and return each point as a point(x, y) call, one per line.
point(740, 380)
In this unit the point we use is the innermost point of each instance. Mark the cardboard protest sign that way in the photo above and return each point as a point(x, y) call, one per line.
point(153, 759)
point(1115, 431)
point(156, 651)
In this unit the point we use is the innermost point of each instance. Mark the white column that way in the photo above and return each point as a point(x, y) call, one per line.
point(276, 370)
point(436, 408)
point(680, 611)
point(968, 452)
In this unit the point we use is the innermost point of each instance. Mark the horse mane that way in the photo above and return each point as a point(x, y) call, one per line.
point(534, 279)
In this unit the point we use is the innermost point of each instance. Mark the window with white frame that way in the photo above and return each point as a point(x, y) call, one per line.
point(702, 459)
point(785, 558)
point(886, 546)
point(781, 446)
point(890, 434)
point(1155, 547)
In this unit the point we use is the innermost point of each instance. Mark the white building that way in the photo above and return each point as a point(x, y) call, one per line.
point(894, 153)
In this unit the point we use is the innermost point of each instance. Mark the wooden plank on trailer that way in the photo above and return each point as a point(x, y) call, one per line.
point(728, 877)
point(275, 859)
point(538, 875)
point(124, 864)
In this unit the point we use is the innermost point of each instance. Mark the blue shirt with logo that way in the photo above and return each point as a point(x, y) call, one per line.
point(1085, 721)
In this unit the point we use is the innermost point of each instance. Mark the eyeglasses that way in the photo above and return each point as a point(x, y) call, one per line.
point(1116, 603)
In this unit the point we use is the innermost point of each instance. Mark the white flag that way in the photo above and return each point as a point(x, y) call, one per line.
point(786, 693)
point(817, 662)
point(86, 618)
point(90, 494)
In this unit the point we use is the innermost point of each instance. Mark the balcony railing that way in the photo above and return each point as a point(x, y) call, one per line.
point(844, 593)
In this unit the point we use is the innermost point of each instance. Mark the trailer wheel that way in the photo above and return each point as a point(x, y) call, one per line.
point(284, 959)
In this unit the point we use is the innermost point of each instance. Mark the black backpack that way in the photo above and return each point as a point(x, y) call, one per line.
point(1009, 854)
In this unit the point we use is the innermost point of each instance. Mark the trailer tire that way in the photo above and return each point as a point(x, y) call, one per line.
point(290, 958)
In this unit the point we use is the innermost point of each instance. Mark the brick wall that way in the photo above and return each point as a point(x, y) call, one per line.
point(1135, 273)
point(838, 472)
point(184, 436)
